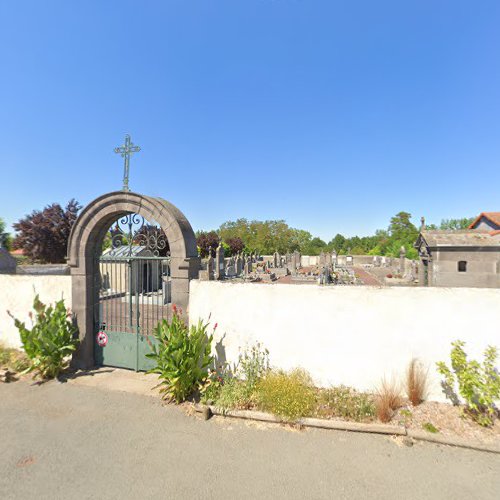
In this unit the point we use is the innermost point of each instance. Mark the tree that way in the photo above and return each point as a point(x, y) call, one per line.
point(401, 228)
point(5, 240)
point(337, 243)
point(207, 243)
point(235, 245)
point(43, 235)
point(456, 224)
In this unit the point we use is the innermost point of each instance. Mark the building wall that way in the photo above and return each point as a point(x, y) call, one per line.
point(350, 335)
point(16, 295)
point(482, 268)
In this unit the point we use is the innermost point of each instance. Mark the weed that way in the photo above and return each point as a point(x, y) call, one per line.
point(345, 402)
point(427, 426)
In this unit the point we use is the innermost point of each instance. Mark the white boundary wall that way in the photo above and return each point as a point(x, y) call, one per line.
point(16, 295)
point(350, 335)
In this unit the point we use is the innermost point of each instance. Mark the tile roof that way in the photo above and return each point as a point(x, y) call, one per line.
point(491, 216)
point(464, 238)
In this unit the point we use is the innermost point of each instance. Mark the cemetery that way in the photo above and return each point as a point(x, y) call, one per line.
point(322, 314)
point(339, 331)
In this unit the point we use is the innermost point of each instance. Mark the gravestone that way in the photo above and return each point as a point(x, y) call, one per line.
point(8, 263)
point(248, 266)
point(238, 264)
point(219, 263)
point(210, 268)
point(276, 257)
point(402, 260)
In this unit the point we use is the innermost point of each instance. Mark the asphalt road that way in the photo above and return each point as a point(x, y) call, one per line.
point(63, 441)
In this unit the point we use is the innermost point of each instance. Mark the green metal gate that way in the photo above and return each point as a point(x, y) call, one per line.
point(133, 290)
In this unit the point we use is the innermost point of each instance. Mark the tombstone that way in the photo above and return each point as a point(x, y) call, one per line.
point(8, 263)
point(328, 259)
point(231, 268)
point(402, 260)
point(349, 260)
point(334, 258)
point(210, 268)
point(324, 277)
point(238, 264)
point(276, 257)
point(296, 256)
point(219, 263)
point(248, 266)
point(322, 260)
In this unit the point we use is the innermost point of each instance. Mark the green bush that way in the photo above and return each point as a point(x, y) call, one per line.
point(478, 384)
point(287, 395)
point(51, 341)
point(182, 357)
point(345, 402)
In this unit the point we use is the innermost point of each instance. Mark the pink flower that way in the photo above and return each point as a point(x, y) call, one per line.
point(216, 324)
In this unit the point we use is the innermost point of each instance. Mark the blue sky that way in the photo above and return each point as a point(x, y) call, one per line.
point(333, 115)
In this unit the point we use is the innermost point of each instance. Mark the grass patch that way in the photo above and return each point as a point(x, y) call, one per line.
point(13, 359)
point(345, 402)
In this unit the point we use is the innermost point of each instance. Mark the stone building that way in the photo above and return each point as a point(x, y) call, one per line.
point(468, 258)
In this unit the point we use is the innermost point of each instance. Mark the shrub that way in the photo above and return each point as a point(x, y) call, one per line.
point(479, 385)
point(345, 402)
point(287, 395)
point(182, 357)
point(51, 341)
point(416, 382)
point(387, 400)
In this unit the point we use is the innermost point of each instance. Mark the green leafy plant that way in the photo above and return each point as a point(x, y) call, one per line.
point(51, 341)
point(478, 384)
point(345, 402)
point(287, 395)
point(429, 427)
point(183, 357)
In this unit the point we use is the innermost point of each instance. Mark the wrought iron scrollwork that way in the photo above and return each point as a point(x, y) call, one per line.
point(132, 230)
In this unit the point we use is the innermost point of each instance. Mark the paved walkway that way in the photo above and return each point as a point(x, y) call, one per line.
point(75, 441)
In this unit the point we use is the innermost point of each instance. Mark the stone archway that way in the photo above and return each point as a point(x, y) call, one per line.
point(87, 235)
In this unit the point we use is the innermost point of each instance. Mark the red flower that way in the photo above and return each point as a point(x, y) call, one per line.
point(215, 325)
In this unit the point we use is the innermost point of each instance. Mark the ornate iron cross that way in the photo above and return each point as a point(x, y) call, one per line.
point(126, 150)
